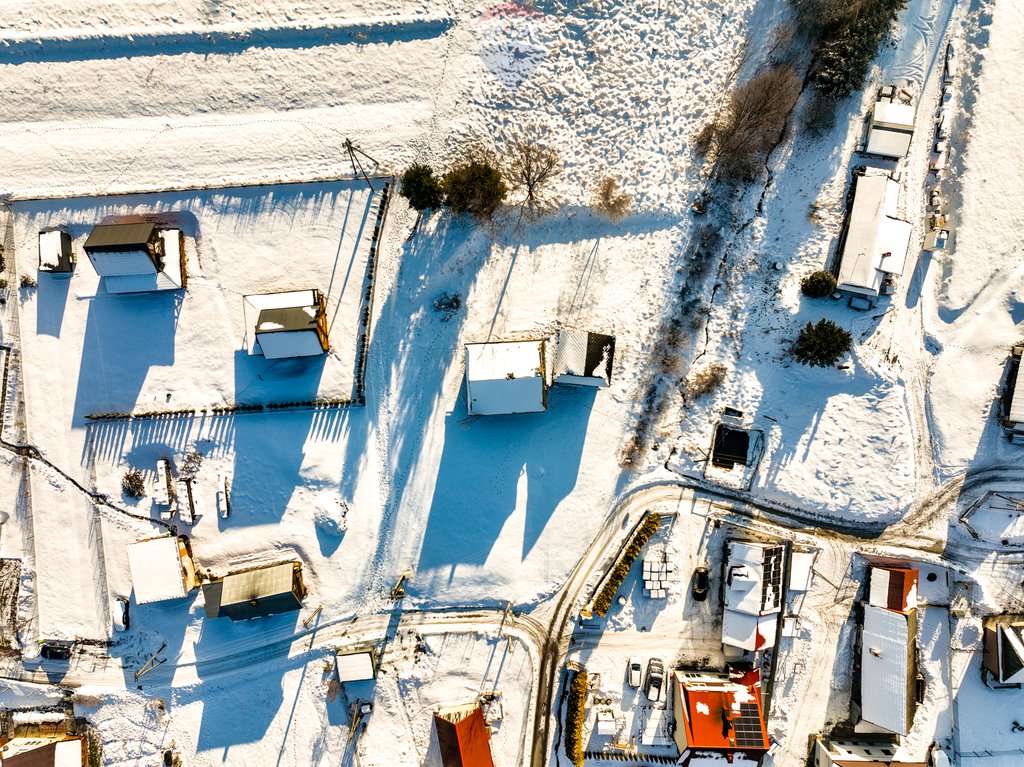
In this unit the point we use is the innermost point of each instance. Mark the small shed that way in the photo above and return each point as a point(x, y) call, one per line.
point(891, 126)
point(289, 324)
point(356, 665)
point(55, 253)
point(463, 736)
point(731, 446)
point(583, 358)
point(505, 377)
point(137, 257)
point(255, 593)
point(894, 588)
point(161, 569)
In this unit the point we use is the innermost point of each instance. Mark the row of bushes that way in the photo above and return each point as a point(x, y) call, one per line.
point(844, 37)
point(574, 709)
point(318, 404)
point(643, 534)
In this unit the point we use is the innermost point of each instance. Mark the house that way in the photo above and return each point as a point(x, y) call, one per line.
point(356, 665)
point(1011, 403)
point(753, 594)
point(505, 377)
point(583, 358)
point(891, 126)
point(290, 324)
point(55, 253)
point(894, 588)
point(256, 593)
point(137, 258)
point(463, 736)
point(888, 673)
point(719, 717)
point(1003, 648)
point(161, 569)
point(66, 751)
point(867, 753)
point(876, 241)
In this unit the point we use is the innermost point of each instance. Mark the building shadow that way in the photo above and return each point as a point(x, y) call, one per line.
point(51, 299)
point(492, 467)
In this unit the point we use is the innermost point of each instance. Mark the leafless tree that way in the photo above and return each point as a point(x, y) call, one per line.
point(531, 168)
point(610, 200)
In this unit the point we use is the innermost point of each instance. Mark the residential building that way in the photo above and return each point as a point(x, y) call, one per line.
point(463, 736)
point(753, 594)
point(856, 753)
point(719, 716)
point(289, 324)
point(256, 593)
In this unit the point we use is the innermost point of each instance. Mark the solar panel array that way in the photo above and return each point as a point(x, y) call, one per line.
point(749, 733)
point(771, 586)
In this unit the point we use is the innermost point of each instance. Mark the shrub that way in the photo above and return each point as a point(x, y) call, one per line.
point(752, 124)
point(421, 187)
point(574, 709)
point(818, 284)
point(821, 344)
point(447, 305)
point(134, 483)
point(3, 284)
point(703, 382)
point(28, 281)
point(621, 569)
point(532, 167)
point(610, 201)
point(819, 115)
point(474, 187)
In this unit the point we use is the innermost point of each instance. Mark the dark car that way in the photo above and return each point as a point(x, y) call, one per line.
point(56, 650)
point(701, 578)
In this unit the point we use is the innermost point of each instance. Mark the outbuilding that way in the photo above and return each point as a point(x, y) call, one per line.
point(56, 255)
point(289, 324)
point(753, 594)
point(506, 377)
point(891, 126)
point(876, 242)
point(255, 593)
point(888, 668)
point(63, 751)
point(356, 665)
point(137, 257)
point(583, 358)
point(1003, 643)
point(161, 569)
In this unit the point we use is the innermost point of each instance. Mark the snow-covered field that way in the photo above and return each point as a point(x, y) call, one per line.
point(232, 117)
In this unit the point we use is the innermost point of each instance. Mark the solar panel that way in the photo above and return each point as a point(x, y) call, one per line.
point(749, 733)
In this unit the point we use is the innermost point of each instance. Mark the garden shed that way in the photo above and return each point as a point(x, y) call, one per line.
point(505, 377)
point(161, 569)
point(583, 358)
point(289, 324)
point(891, 126)
point(137, 257)
point(255, 593)
point(356, 665)
point(55, 253)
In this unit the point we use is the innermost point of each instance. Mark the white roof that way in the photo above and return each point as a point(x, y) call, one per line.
point(893, 114)
point(872, 232)
point(749, 632)
point(354, 667)
point(884, 668)
point(800, 564)
point(888, 142)
point(1016, 414)
point(156, 570)
point(744, 574)
point(114, 264)
point(505, 377)
point(291, 343)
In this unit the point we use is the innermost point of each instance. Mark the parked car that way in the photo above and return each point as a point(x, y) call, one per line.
point(119, 613)
point(56, 650)
point(655, 679)
point(701, 579)
point(634, 672)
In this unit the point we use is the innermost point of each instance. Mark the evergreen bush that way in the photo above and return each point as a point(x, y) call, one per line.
point(821, 344)
point(134, 483)
point(421, 188)
point(818, 284)
point(474, 187)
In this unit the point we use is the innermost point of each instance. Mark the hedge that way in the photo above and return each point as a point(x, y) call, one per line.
point(643, 534)
point(574, 709)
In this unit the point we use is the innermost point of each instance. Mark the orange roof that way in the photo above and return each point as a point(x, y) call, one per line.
point(722, 715)
point(465, 742)
point(894, 588)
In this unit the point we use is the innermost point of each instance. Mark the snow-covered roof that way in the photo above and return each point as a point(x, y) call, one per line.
point(583, 358)
point(55, 251)
point(891, 129)
point(894, 588)
point(886, 650)
point(156, 570)
point(274, 328)
point(1016, 414)
point(355, 666)
point(748, 632)
point(505, 377)
point(800, 573)
point(873, 232)
point(753, 577)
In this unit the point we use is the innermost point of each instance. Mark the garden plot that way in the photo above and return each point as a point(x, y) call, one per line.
point(90, 352)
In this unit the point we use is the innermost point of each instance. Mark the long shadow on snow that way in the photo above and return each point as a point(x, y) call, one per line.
point(489, 463)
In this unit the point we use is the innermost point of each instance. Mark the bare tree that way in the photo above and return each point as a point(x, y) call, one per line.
point(531, 168)
point(610, 200)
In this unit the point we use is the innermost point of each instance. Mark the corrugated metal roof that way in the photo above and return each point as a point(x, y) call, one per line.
point(256, 584)
point(119, 235)
point(885, 650)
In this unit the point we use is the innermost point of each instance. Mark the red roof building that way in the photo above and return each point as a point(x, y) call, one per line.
point(463, 736)
point(719, 714)
point(893, 588)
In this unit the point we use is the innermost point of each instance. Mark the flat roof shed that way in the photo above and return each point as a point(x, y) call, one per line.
point(161, 569)
point(891, 129)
